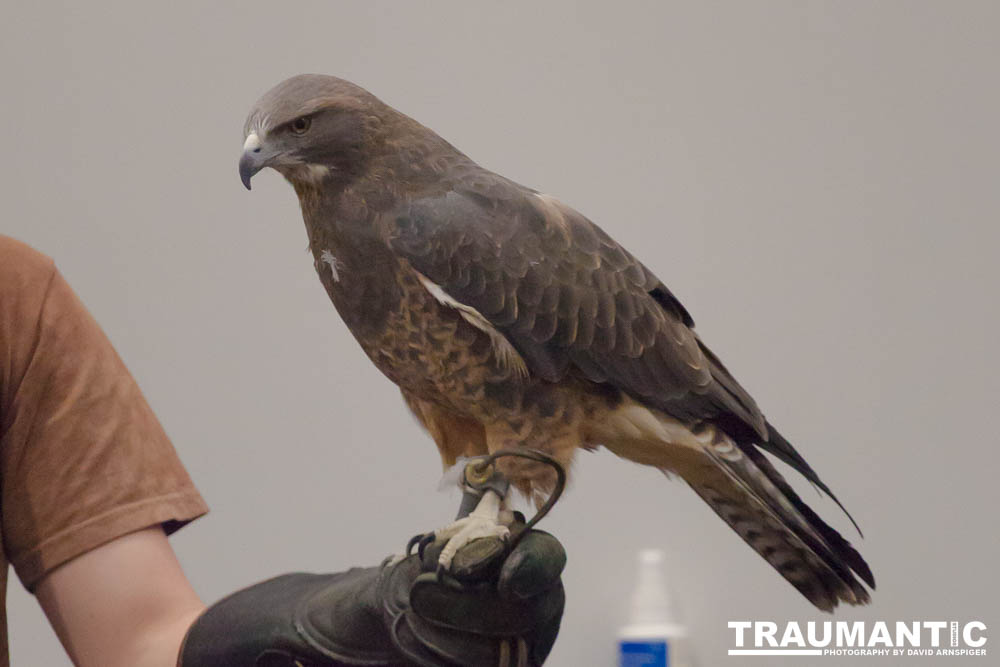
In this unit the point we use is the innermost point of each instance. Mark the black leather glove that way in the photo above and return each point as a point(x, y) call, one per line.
point(399, 613)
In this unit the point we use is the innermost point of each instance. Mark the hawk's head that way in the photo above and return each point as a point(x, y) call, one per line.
point(311, 127)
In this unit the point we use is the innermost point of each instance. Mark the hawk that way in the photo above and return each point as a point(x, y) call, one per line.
point(508, 319)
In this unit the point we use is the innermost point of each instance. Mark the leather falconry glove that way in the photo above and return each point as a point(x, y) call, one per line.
point(491, 608)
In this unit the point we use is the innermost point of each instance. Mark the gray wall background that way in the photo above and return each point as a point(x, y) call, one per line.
point(817, 181)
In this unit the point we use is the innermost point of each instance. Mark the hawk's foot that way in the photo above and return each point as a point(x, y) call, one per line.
point(489, 519)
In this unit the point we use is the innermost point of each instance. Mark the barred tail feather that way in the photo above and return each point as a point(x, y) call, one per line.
point(750, 495)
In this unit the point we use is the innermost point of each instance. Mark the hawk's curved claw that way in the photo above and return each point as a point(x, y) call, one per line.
point(415, 540)
point(425, 542)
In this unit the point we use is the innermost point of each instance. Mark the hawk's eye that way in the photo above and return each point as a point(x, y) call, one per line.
point(301, 125)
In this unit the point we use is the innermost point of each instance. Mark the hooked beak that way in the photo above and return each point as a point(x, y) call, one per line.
point(252, 160)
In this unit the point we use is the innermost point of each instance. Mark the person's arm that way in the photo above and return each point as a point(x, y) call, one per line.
point(87, 478)
point(126, 603)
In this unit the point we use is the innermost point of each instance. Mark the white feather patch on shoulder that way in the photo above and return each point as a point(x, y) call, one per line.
point(505, 353)
point(328, 257)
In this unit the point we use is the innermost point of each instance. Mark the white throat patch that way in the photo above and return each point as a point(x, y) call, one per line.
point(309, 173)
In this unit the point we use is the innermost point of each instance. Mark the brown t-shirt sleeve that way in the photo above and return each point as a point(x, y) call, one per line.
point(83, 460)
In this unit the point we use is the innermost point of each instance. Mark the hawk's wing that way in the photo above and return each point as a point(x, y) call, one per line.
point(567, 296)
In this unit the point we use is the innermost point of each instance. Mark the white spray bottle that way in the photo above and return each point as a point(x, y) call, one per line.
point(654, 636)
